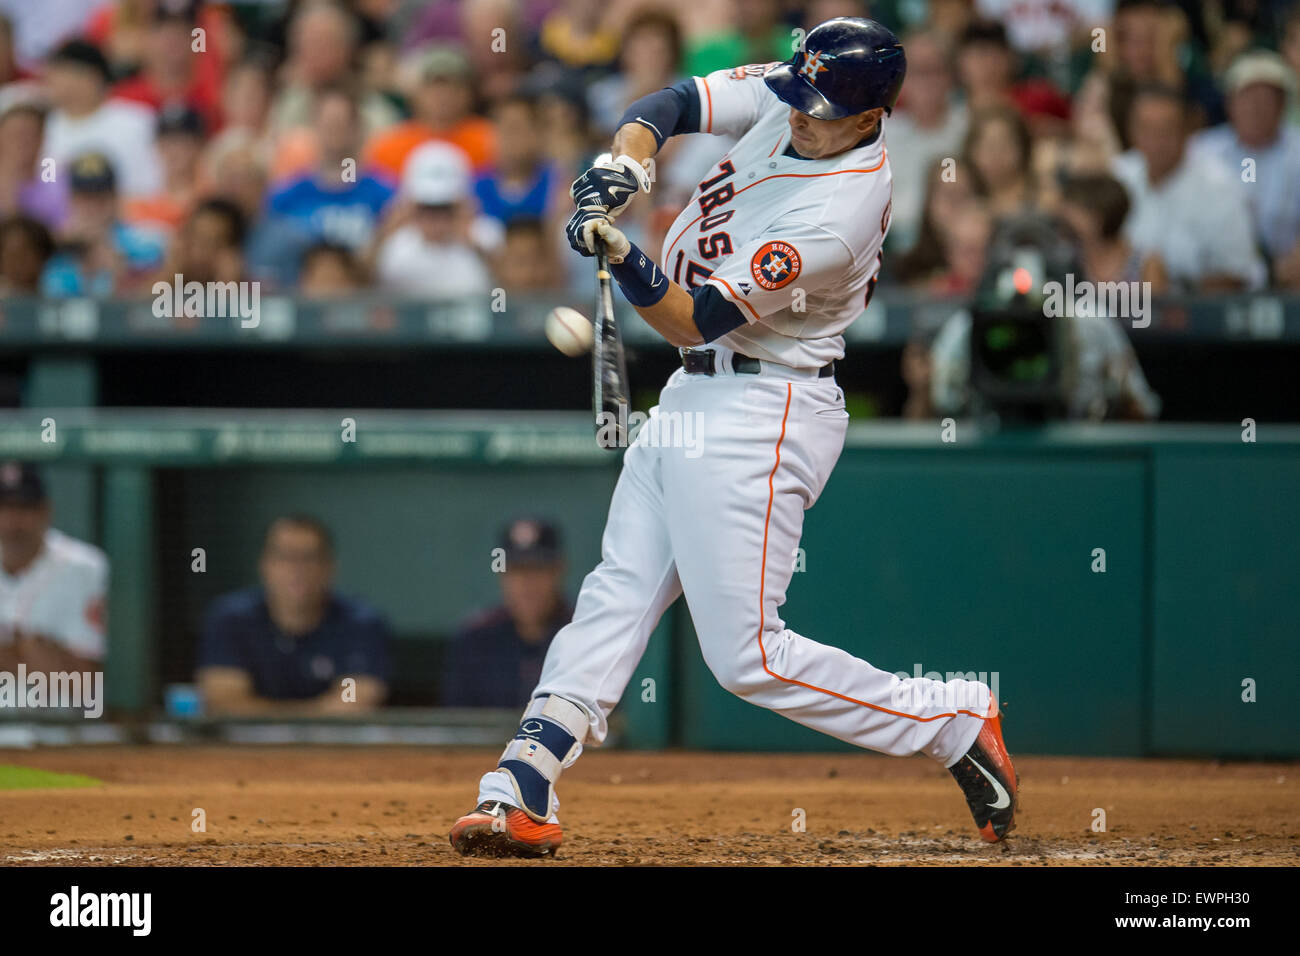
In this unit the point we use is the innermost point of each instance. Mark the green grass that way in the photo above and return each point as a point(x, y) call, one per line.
point(29, 778)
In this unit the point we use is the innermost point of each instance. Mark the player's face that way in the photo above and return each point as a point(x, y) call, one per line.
point(819, 139)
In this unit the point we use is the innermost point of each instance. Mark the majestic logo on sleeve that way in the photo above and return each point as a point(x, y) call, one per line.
point(812, 65)
point(775, 265)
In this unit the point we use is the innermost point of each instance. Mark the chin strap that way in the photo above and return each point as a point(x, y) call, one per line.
point(549, 739)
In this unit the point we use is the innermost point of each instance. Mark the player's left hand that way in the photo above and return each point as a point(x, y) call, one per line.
point(611, 184)
point(590, 223)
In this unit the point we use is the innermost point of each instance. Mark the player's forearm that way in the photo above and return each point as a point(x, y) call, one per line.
point(635, 140)
point(673, 317)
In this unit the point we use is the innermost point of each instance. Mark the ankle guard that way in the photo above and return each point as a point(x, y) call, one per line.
point(548, 740)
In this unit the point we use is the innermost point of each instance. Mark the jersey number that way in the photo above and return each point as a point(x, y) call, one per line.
point(714, 192)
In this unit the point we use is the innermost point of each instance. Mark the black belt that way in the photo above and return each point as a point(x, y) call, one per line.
point(704, 362)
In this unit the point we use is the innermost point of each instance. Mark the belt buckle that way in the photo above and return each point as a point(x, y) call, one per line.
point(699, 361)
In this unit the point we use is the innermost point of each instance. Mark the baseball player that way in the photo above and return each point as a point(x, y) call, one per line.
point(776, 253)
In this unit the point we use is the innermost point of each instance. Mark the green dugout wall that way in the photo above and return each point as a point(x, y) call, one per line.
point(977, 555)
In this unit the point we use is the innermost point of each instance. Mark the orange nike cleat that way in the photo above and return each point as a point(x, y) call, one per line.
point(497, 829)
point(989, 780)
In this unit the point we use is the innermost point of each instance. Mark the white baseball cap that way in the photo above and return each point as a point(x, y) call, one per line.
point(436, 174)
point(1260, 66)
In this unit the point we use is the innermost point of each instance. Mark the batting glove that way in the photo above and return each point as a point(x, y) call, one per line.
point(610, 184)
point(588, 225)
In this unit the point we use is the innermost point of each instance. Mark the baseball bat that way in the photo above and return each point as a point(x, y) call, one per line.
point(608, 363)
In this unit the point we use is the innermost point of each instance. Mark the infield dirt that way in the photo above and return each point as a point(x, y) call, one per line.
point(393, 806)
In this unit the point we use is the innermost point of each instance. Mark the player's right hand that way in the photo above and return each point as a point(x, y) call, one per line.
point(589, 224)
point(610, 184)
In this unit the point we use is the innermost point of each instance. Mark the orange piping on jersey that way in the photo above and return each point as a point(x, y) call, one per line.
point(789, 392)
point(708, 94)
point(736, 300)
point(836, 172)
point(778, 144)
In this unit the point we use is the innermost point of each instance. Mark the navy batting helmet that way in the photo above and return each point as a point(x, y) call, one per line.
point(847, 65)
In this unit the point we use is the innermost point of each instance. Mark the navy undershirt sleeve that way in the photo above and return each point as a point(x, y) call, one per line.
point(714, 314)
point(668, 112)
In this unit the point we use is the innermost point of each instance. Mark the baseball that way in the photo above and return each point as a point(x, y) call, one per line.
point(568, 330)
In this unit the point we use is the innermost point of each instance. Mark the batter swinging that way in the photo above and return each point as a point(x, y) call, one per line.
point(777, 252)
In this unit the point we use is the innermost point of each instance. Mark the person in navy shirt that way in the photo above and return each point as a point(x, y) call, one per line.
point(495, 658)
point(337, 203)
point(290, 646)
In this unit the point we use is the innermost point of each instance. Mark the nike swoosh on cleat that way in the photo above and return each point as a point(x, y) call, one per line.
point(1004, 798)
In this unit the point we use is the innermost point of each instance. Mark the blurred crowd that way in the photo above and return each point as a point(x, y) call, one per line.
point(425, 147)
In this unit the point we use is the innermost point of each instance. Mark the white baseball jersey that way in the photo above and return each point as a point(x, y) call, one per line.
point(794, 243)
point(59, 596)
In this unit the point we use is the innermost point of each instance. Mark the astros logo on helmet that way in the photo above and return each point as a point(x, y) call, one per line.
point(812, 65)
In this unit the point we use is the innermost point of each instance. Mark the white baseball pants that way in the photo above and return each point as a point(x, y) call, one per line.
point(720, 521)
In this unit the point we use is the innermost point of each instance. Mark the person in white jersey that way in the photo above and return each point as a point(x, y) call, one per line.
point(775, 255)
point(52, 586)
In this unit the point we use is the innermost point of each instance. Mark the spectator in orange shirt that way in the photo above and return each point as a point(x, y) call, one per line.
point(443, 104)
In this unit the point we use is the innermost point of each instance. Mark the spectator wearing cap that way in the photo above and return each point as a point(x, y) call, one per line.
point(25, 248)
point(288, 646)
point(84, 120)
point(1187, 210)
point(52, 587)
point(495, 657)
point(99, 254)
point(180, 147)
point(1256, 137)
point(171, 74)
point(442, 105)
point(337, 203)
point(22, 190)
point(427, 249)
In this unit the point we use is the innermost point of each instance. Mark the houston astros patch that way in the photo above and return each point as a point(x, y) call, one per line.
point(775, 265)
